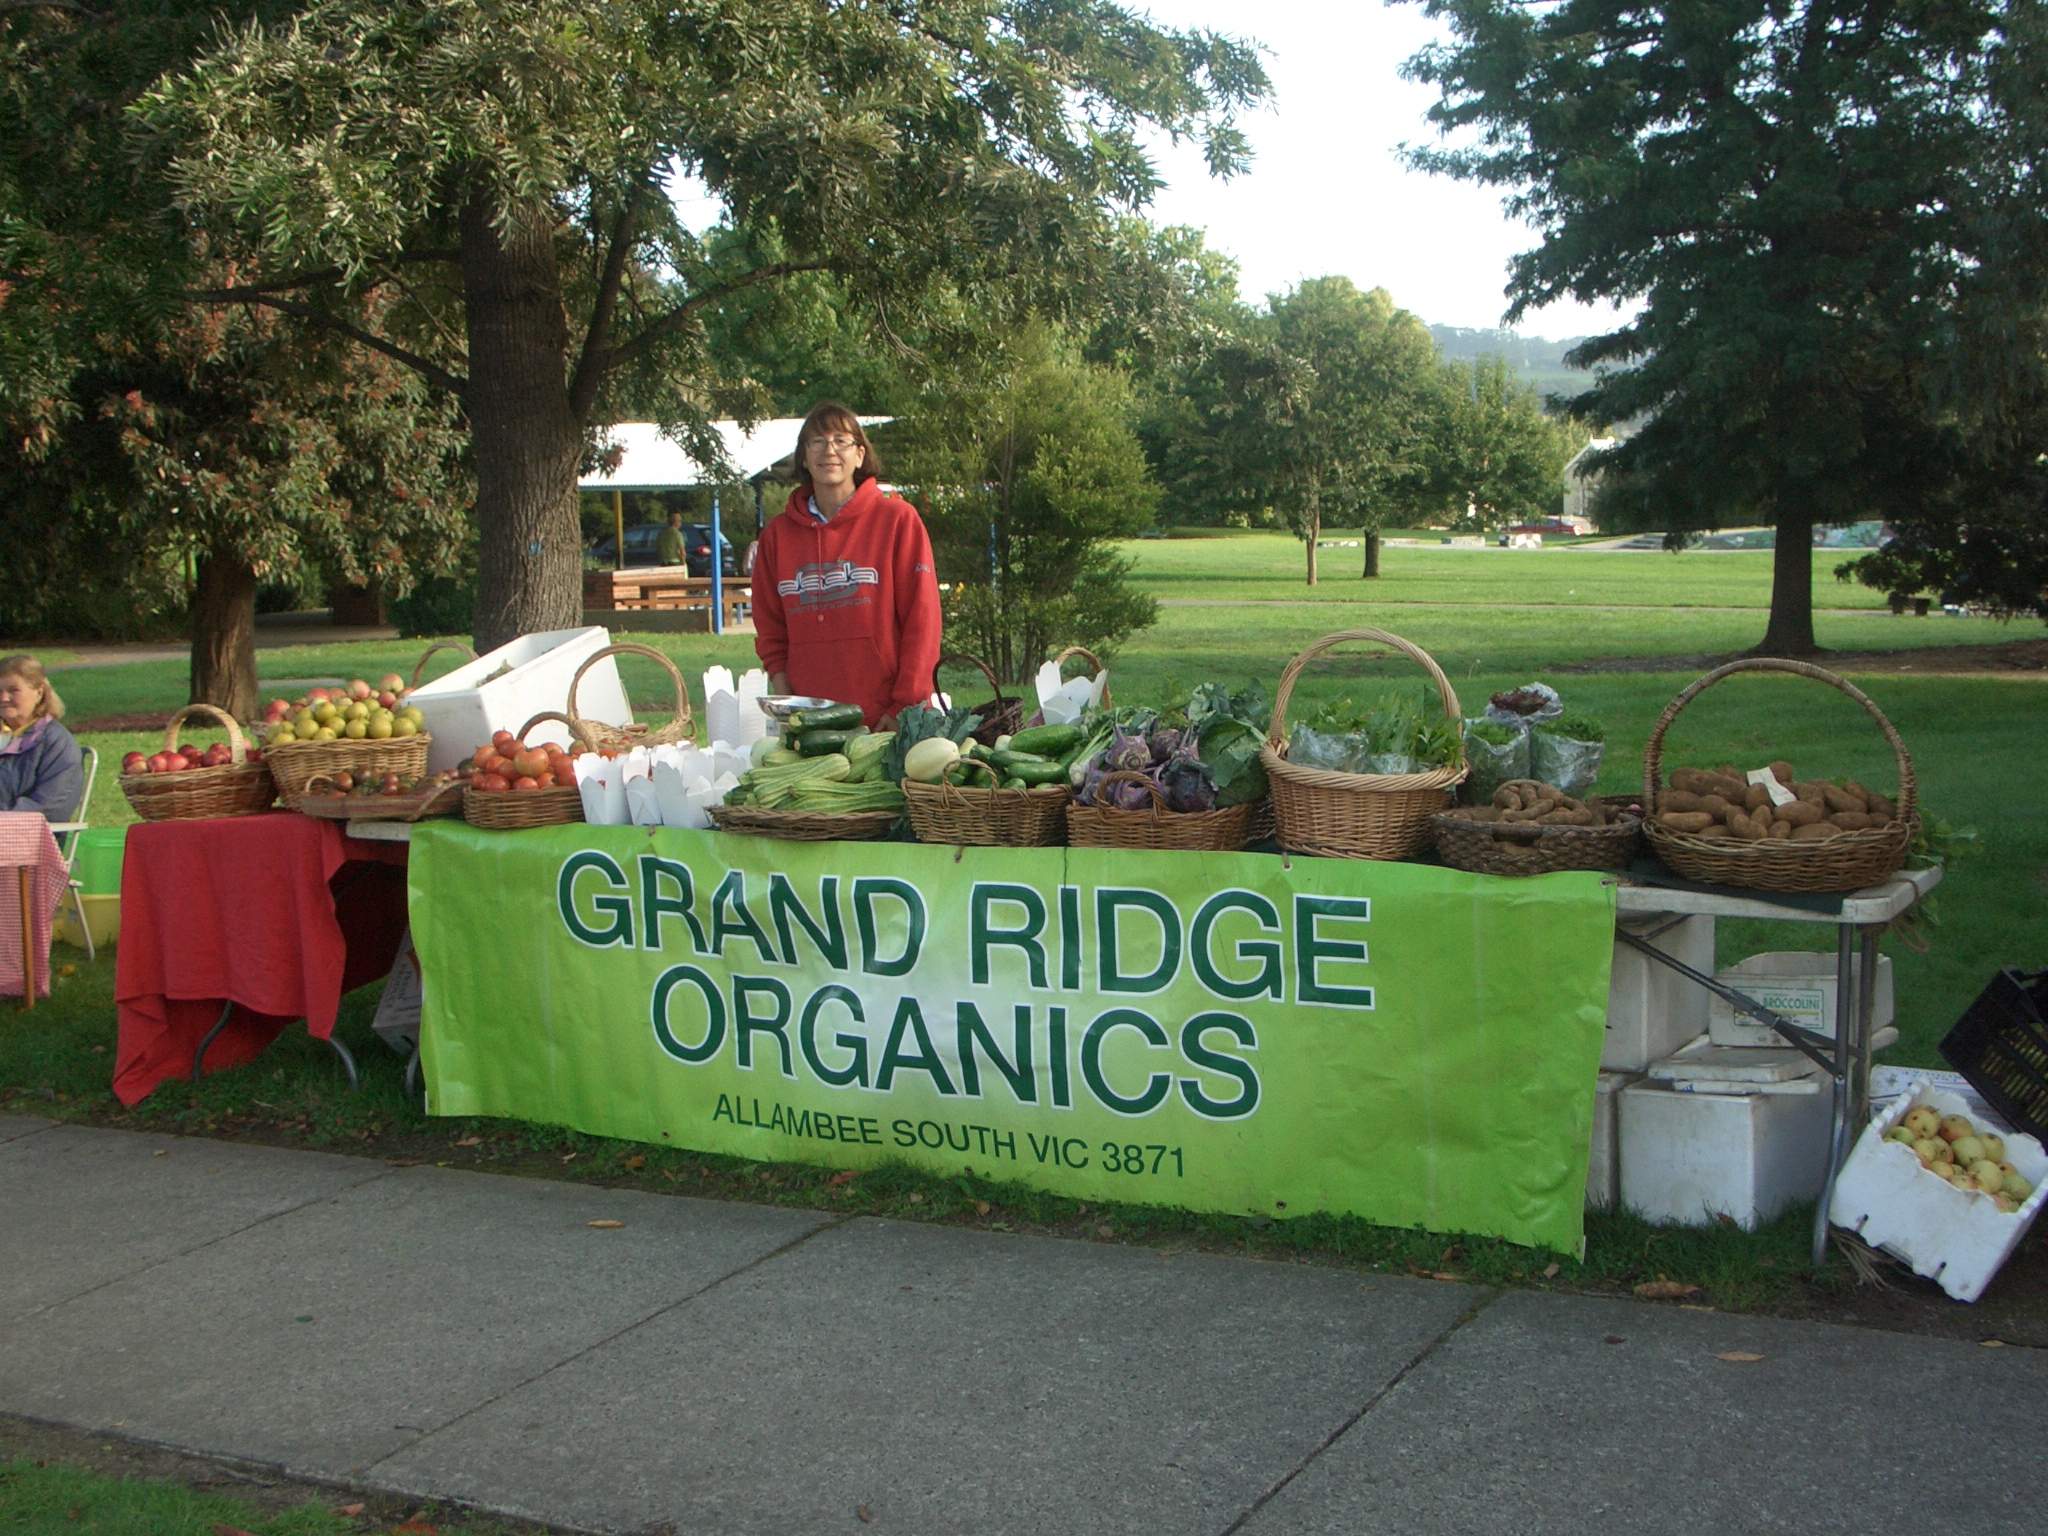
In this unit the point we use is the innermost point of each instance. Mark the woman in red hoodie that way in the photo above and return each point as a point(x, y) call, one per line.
point(846, 603)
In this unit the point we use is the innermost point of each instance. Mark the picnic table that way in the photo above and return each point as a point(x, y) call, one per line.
point(664, 587)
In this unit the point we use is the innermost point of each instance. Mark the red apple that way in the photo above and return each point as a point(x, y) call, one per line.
point(391, 682)
point(388, 699)
point(135, 762)
point(160, 763)
point(358, 689)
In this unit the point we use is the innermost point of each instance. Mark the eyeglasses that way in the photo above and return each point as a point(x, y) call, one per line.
point(840, 441)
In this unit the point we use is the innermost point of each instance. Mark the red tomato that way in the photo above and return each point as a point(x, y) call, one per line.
point(524, 782)
point(492, 782)
point(505, 742)
point(530, 762)
point(483, 755)
point(544, 781)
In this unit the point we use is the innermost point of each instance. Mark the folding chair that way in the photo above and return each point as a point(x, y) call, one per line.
point(67, 835)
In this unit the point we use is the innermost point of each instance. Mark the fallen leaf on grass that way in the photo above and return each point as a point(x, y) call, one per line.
point(606, 1226)
point(635, 1163)
point(917, 1199)
point(981, 1207)
point(864, 1515)
point(350, 1509)
point(1444, 1274)
point(847, 1177)
point(1991, 1343)
point(1550, 1273)
point(1738, 1357)
point(1105, 1231)
point(415, 1528)
point(470, 1141)
point(1665, 1290)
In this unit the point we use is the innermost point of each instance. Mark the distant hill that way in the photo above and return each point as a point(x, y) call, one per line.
point(1537, 359)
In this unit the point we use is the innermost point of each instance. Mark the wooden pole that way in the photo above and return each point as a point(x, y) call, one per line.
point(619, 526)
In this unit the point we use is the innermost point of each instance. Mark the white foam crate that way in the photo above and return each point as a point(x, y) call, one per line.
point(1651, 1009)
point(1692, 1158)
point(1603, 1168)
point(464, 708)
point(1959, 1241)
point(1799, 985)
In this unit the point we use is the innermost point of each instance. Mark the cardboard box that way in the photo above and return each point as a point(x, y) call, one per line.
point(1798, 985)
point(1957, 1240)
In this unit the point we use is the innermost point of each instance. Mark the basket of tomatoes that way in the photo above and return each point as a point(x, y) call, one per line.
point(513, 785)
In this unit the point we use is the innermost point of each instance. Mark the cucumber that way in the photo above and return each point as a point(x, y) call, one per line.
point(819, 743)
point(1004, 758)
point(1035, 774)
point(1046, 740)
point(833, 717)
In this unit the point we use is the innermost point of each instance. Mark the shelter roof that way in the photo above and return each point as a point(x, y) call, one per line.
point(651, 462)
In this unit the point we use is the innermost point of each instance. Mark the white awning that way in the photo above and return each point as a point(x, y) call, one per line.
point(652, 462)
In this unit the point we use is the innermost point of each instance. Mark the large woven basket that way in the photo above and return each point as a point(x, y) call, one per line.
point(804, 826)
point(623, 738)
point(442, 800)
point(988, 818)
point(292, 763)
point(1522, 848)
point(514, 810)
point(237, 788)
point(1356, 815)
point(1106, 826)
point(1000, 716)
point(1846, 862)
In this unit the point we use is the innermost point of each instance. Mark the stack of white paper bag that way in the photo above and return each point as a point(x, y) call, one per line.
point(667, 786)
point(732, 710)
point(1064, 703)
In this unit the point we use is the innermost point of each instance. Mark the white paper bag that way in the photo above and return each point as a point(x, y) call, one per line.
point(672, 796)
point(753, 724)
point(603, 785)
point(641, 804)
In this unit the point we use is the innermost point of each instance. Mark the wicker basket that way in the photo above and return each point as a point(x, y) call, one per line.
point(439, 645)
point(804, 826)
point(601, 737)
point(1846, 862)
point(1000, 716)
point(1106, 826)
point(292, 763)
point(1088, 656)
point(514, 810)
point(237, 788)
point(1356, 815)
point(445, 800)
point(1522, 848)
point(988, 818)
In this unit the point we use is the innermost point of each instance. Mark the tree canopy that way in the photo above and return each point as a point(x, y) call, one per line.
point(503, 172)
point(1798, 193)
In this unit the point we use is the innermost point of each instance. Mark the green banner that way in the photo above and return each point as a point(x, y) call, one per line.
point(1224, 1032)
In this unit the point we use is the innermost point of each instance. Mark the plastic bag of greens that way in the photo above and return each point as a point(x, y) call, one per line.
point(1496, 753)
point(1530, 704)
point(1566, 752)
point(1335, 751)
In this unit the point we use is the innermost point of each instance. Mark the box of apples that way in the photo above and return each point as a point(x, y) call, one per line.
point(183, 783)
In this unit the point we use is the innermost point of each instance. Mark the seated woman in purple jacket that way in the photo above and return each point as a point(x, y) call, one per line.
point(40, 766)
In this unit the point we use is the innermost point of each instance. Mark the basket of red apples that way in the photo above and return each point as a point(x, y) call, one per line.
point(180, 783)
point(513, 785)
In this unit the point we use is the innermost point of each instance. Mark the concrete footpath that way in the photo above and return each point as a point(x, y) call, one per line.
point(706, 1367)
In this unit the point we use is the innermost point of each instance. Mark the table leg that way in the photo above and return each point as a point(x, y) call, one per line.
point(28, 942)
point(212, 1034)
point(1846, 1013)
point(348, 1062)
point(1866, 1027)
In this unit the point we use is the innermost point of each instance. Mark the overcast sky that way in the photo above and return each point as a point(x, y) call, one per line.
point(1327, 192)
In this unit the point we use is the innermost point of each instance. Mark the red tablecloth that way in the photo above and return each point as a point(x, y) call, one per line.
point(281, 913)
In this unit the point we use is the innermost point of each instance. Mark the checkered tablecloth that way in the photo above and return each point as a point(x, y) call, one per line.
point(26, 841)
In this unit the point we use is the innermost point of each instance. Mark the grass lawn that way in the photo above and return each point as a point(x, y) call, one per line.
point(1975, 743)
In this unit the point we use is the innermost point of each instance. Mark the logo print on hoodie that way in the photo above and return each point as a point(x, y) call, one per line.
point(829, 584)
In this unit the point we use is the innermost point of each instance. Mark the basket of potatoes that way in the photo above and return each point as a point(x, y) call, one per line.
point(1532, 828)
point(1714, 825)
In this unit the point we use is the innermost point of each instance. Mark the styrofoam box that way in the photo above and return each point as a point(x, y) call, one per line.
point(1800, 986)
point(1692, 1157)
point(464, 708)
point(1603, 1169)
point(1651, 1009)
point(1891, 1202)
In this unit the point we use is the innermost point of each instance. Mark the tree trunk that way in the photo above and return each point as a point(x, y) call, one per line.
point(1790, 632)
point(525, 439)
point(224, 635)
point(1372, 555)
point(1315, 531)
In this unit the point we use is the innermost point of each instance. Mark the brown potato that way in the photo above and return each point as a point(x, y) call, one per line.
point(1800, 813)
point(1718, 831)
point(1856, 789)
point(1880, 805)
point(1781, 830)
point(1813, 794)
point(1839, 799)
point(1694, 781)
point(1508, 797)
point(1782, 772)
point(1680, 800)
point(1880, 818)
point(1478, 813)
point(1757, 798)
point(1747, 830)
point(1814, 831)
point(1850, 821)
point(1686, 821)
point(1717, 806)
point(1569, 818)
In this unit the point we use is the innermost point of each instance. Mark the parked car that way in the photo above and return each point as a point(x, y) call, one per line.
point(640, 544)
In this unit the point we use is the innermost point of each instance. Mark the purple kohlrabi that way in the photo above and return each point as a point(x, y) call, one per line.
point(1129, 795)
point(1187, 786)
point(1129, 752)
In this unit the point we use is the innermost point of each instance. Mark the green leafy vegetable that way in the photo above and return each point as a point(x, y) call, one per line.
point(920, 722)
point(1573, 726)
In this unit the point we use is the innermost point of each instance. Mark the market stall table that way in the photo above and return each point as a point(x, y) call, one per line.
point(29, 848)
point(233, 927)
point(1859, 918)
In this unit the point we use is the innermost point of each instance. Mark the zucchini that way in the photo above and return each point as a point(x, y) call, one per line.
point(778, 757)
point(833, 717)
point(820, 743)
point(1046, 740)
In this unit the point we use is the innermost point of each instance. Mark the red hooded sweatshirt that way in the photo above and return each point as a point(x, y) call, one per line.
point(849, 608)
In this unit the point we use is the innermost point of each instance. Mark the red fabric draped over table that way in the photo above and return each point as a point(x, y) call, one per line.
point(279, 912)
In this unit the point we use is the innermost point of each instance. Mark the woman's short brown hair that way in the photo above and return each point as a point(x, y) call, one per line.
point(30, 671)
point(827, 417)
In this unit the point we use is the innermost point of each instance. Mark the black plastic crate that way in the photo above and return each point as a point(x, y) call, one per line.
point(2001, 1045)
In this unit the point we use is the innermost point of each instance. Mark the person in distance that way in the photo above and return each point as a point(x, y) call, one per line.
point(40, 765)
